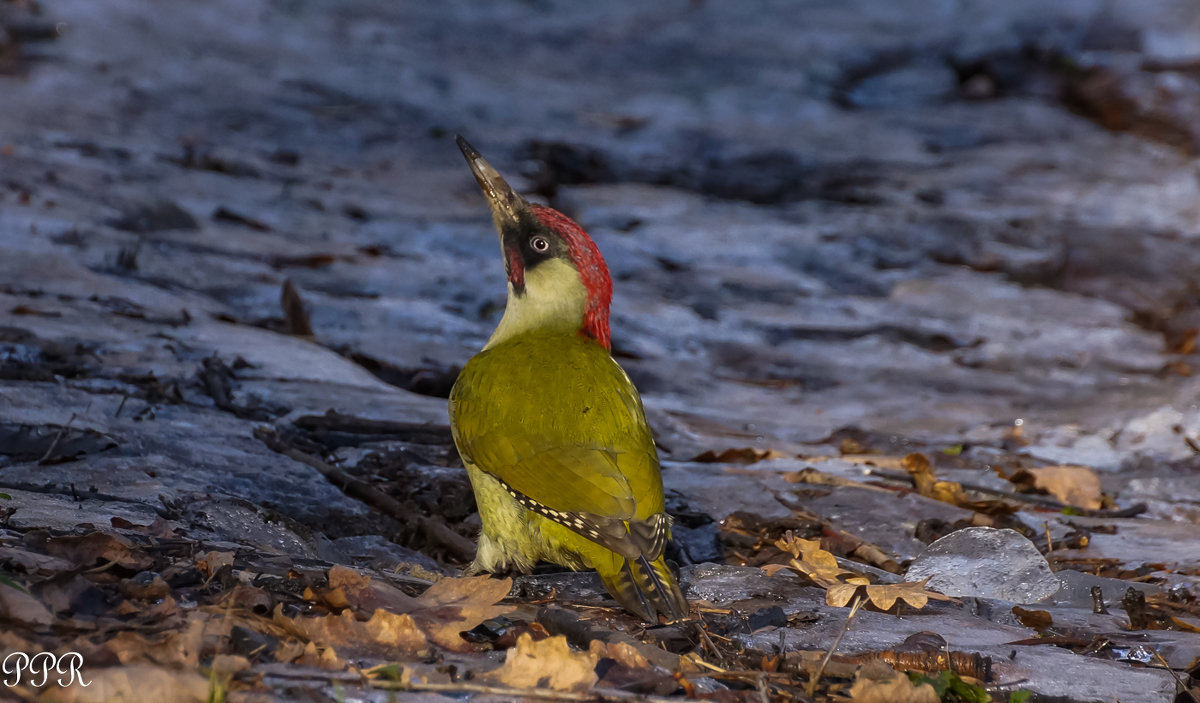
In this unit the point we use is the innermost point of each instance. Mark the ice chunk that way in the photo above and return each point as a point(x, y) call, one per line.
point(988, 563)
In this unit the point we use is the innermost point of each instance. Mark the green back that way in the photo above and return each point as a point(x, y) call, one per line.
point(555, 418)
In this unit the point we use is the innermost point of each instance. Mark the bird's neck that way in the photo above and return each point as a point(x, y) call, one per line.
point(554, 301)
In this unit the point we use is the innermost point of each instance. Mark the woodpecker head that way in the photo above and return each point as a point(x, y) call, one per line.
point(557, 280)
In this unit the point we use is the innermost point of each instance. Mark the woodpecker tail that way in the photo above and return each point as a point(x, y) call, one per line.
point(647, 588)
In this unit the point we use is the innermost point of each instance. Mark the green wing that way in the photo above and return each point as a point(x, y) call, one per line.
point(557, 420)
point(573, 478)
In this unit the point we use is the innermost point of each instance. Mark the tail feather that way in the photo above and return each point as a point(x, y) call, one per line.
point(647, 588)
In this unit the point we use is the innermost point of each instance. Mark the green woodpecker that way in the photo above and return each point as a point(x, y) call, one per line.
point(550, 428)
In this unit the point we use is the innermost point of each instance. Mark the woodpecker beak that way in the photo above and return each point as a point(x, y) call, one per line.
point(506, 204)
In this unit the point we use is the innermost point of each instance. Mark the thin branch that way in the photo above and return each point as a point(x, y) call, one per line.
point(596, 694)
point(712, 646)
point(816, 675)
point(437, 531)
point(1183, 687)
point(57, 438)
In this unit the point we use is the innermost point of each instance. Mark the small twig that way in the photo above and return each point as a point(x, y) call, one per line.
point(398, 578)
point(296, 316)
point(816, 675)
point(749, 675)
point(596, 694)
point(761, 685)
point(713, 667)
point(1049, 542)
point(896, 478)
point(333, 421)
point(460, 547)
point(1178, 681)
point(862, 551)
point(57, 438)
point(102, 568)
point(712, 647)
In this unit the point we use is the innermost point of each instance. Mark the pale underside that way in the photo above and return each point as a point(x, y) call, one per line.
point(513, 538)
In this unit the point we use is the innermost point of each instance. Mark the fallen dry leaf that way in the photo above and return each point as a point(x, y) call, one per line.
point(815, 477)
point(32, 562)
point(882, 461)
point(840, 585)
point(839, 594)
point(251, 598)
point(1187, 341)
point(159, 527)
point(229, 664)
point(156, 590)
point(16, 604)
point(547, 663)
point(319, 658)
point(179, 648)
point(928, 485)
point(98, 548)
point(12, 642)
point(623, 653)
point(1073, 485)
point(386, 634)
point(877, 682)
point(212, 562)
point(809, 559)
point(884, 596)
point(290, 650)
point(740, 455)
point(346, 578)
point(628, 668)
point(66, 591)
point(1037, 619)
point(453, 605)
point(350, 589)
point(132, 684)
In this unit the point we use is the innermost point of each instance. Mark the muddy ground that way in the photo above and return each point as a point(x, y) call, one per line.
point(841, 233)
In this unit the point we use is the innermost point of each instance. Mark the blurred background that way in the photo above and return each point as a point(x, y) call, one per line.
point(932, 221)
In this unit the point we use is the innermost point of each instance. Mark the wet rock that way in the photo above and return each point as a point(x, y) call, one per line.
point(720, 584)
point(1078, 590)
point(50, 444)
point(561, 163)
point(717, 493)
point(696, 545)
point(25, 357)
point(155, 216)
point(570, 586)
point(920, 83)
point(267, 531)
point(883, 519)
point(375, 551)
point(987, 563)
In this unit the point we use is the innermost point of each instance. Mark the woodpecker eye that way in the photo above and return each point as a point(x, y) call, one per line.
point(539, 244)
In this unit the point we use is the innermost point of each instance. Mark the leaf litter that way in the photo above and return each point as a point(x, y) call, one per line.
point(841, 586)
point(153, 609)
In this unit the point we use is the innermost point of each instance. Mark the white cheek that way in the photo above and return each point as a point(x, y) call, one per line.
point(554, 299)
